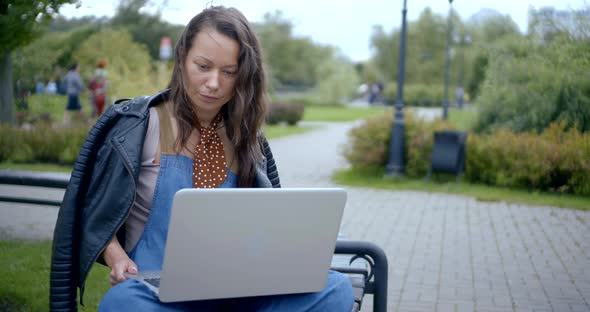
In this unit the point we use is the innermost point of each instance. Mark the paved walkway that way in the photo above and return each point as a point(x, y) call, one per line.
point(446, 252)
point(453, 253)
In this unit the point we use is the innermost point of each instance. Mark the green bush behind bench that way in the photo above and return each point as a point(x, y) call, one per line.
point(557, 160)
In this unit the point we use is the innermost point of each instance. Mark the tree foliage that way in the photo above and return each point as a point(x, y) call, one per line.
point(130, 73)
point(63, 24)
point(426, 48)
point(530, 84)
point(339, 81)
point(37, 60)
point(145, 28)
point(486, 32)
point(291, 60)
point(20, 22)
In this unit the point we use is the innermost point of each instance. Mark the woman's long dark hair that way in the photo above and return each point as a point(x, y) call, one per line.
point(244, 114)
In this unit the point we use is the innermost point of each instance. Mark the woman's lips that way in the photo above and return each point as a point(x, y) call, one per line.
point(207, 98)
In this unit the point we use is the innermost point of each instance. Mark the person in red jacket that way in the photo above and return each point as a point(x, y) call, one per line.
point(98, 85)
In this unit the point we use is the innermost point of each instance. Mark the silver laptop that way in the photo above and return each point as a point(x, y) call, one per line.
point(228, 243)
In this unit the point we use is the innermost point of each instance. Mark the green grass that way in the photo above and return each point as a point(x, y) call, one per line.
point(55, 105)
point(374, 178)
point(335, 113)
point(463, 119)
point(36, 167)
point(25, 277)
point(277, 131)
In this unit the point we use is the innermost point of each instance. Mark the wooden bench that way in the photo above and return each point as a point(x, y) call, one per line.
point(363, 262)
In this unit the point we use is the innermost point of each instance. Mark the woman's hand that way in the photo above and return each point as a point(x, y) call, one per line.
point(119, 262)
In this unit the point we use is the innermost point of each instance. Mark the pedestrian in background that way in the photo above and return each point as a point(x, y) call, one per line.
point(51, 87)
point(74, 86)
point(98, 85)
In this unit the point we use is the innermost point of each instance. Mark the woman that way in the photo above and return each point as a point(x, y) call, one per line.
point(142, 151)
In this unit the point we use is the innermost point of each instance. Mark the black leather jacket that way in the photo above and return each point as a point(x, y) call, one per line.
point(101, 192)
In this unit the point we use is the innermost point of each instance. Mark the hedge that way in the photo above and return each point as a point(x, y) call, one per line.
point(42, 143)
point(557, 160)
point(290, 113)
point(418, 94)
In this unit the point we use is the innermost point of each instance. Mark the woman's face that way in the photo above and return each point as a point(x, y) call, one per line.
point(211, 68)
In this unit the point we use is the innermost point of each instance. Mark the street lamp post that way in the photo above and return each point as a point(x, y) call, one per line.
point(395, 165)
point(463, 41)
point(448, 62)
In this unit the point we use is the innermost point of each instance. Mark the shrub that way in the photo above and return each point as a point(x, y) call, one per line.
point(8, 141)
point(556, 160)
point(369, 143)
point(417, 94)
point(41, 144)
point(290, 113)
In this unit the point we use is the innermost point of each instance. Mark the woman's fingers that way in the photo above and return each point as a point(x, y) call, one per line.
point(131, 267)
point(120, 268)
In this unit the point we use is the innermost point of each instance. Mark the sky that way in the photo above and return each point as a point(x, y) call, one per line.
point(346, 24)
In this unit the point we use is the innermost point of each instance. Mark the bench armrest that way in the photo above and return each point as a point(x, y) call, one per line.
point(375, 271)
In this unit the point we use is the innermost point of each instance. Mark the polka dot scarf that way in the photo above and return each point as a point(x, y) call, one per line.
point(209, 166)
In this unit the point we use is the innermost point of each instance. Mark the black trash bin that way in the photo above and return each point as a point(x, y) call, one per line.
point(448, 153)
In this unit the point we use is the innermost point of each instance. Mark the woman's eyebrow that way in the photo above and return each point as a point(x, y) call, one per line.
point(210, 61)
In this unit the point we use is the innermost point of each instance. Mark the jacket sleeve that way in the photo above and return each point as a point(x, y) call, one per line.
point(64, 277)
point(271, 166)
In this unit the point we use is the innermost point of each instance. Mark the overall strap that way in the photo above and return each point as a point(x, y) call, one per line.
point(166, 136)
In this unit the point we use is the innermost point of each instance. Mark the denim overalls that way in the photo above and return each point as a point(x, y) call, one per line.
point(176, 173)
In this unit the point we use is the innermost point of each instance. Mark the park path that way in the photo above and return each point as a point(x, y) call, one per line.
point(449, 252)
point(446, 252)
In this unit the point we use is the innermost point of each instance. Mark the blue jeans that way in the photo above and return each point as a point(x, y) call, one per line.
point(73, 102)
point(132, 295)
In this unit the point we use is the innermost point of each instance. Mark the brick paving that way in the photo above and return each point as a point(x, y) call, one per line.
point(446, 252)
point(449, 252)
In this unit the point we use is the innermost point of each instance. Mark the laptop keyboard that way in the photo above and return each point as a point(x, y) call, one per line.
point(153, 281)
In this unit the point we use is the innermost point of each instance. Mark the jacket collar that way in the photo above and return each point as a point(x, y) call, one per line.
point(139, 106)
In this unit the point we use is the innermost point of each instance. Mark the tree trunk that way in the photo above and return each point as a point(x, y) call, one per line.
point(6, 94)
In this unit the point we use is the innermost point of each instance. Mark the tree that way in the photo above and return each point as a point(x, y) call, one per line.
point(20, 22)
point(64, 24)
point(293, 61)
point(339, 80)
point(129, 74)
point(425, 54)
point(37, 59)
point(146, 29)
point(529, 85)
point(427, 39)
point(386, 49)
point(48, 56)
